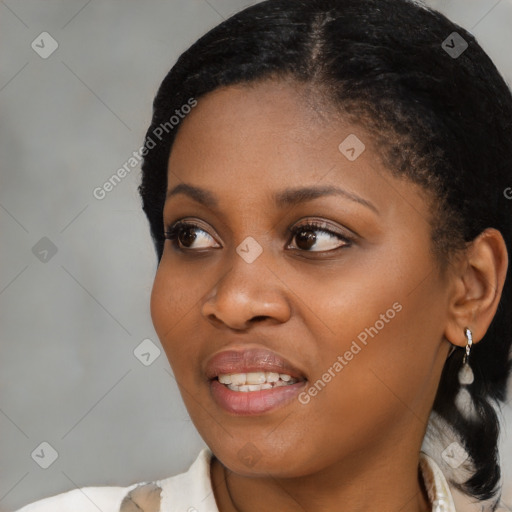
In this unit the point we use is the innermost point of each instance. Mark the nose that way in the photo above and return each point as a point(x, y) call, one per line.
point(246, 294)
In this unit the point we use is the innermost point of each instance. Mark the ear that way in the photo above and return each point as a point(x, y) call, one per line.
point(479, 278)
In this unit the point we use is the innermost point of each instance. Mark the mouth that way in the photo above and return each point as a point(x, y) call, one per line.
point(252, 381)
point(256, 402)
point(255, 381)
point(250, 366)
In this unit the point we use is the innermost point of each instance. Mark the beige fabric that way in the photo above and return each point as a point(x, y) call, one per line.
point(144, 498)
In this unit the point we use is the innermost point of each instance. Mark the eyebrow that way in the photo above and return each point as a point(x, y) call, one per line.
point(198, 194)
point(287, 197)
point(293, 196)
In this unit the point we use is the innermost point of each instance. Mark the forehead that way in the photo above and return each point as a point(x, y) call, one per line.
point(242, 115)
point(245, 142)
point(278, 129)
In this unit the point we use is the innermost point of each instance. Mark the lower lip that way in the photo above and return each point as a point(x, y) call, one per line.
point(253, 402)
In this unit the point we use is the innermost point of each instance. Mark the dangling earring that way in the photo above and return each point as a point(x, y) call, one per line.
point(463, 400)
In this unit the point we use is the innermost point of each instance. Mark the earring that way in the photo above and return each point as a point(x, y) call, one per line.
point(463, 400)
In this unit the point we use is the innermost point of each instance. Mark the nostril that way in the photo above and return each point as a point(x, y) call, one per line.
point(258, 318)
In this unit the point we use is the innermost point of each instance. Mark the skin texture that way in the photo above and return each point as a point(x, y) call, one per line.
point(357, 441)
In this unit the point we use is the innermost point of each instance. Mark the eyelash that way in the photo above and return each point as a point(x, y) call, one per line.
point(319, 226)
point(174, 230)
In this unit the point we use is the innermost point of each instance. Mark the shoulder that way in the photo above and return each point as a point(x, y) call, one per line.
point(188, 489)
point(84, 499)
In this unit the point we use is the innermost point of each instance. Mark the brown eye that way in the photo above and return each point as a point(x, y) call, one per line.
point(190, 236)
point(186, 236)
point(305, 239)
point(315, 237)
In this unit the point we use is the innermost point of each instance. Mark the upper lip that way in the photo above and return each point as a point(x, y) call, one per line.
point(246, 360)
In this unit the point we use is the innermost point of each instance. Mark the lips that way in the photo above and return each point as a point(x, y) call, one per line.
point(250, 360)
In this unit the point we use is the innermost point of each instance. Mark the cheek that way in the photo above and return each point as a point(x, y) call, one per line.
point(385, 319)
point(162, 302)
point(174, 299)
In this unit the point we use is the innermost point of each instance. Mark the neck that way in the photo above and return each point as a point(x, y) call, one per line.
point(392, 481)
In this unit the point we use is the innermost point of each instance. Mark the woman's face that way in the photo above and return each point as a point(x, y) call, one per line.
point(352, 307)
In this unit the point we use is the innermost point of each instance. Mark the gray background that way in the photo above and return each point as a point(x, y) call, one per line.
point(70, 324)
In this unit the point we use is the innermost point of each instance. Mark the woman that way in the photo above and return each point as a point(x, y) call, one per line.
point(327, 184)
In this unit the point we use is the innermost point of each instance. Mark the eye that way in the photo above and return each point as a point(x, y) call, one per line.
point(316, 237)
point(187, 235)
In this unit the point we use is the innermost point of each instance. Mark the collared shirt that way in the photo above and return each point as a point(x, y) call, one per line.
point(191, 491)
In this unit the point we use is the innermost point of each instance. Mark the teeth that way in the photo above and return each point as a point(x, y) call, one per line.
point(256, 378)
point(238, 379)
point(254, 387)
point(255, 381)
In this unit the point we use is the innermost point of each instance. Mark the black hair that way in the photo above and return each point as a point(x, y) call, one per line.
point(440, 118)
